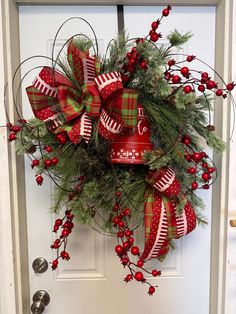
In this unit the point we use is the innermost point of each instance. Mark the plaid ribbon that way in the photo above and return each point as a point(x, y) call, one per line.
point(54, 98)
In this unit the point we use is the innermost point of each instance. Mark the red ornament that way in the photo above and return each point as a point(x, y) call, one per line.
point(39, 180)
point(176, 79)
point(187, 89)
point(129, 148)
point(139, 276)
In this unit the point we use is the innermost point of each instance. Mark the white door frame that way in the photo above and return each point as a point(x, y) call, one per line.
point(15, 204)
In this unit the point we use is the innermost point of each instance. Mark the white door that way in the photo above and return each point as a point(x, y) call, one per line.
point(92, 282)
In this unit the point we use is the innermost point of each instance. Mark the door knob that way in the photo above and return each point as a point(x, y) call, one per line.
point(40, 300)
point(232, 223)
point(40, 265)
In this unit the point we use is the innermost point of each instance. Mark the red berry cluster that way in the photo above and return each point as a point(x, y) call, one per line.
point(14, 129)
point(61, 138)
point(201, 168)
point(60, 243)
point(181, 75)
point(154, 36)
point(133, 60)
point(127, 246)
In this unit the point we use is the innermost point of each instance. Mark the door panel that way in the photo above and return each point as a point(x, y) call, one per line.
point(94, 272)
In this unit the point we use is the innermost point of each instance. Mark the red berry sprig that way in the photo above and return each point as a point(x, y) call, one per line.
point(66, 225)
point(154, 35)
point(126, 247)
point(201, 168)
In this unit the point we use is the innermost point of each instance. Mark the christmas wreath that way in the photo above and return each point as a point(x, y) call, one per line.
point(119, 137)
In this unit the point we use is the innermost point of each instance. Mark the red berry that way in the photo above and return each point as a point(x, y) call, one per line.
point(206, 186)
point(116, 220)
point(186, 140)
point(119, 249)
point(206, 176)
point(143, 65)
point(126, 212)
point(171, 62)
point(211, 84)
point(219, 92)
point(121, 224)
point(168, 76)
point(176, 79)
point(39, 180)
point(138, 276)
point(185, 71)
point(151, 290)
point(131, 240)
point(54, 264)
point(54, 161)
point(194, 185)
point(197, 156)
point(61, 138)
point(204, 76)
point(65, 233)
point(128, 278)
point(9, 125)
point(190, 58)
point(128, 55)
point(16, 128)
point(125, 261)
point(166, 12)
point(58, 222)
point(47, 163)
point(135, 250)
point(192, 170)
point(187, 89)
point(201, 88)
point(128, 233)
point(211, 170)
point(120, 234)
point(55, 228)
point(230, 86)
point(65, 255)
point(155, 25)
point(12, 137)
point(140, 263)
point(125, 78)
point(69, 216)
point(48, 149)
point(35, 163)
point(155, 273)
point(126, 245)
point(154, 36)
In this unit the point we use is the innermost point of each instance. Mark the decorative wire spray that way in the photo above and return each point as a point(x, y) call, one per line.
point(119, 138)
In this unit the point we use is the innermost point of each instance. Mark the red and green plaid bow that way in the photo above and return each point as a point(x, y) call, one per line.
point(56, 100)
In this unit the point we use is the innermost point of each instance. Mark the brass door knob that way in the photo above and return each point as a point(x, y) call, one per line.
point(232, 223)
